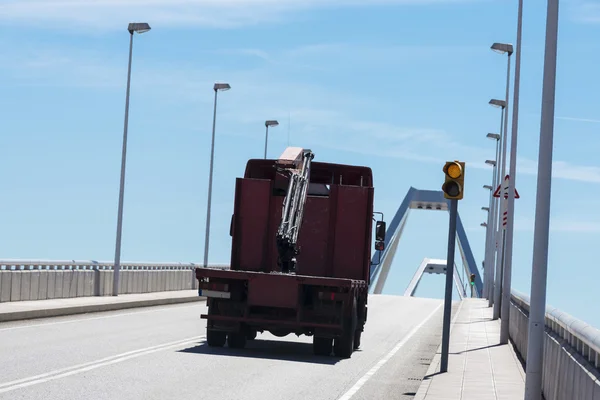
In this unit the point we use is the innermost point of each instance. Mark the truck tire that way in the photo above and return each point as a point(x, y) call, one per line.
point(344, 345)
point(357, 335)
point(215, 338)
point(251, 334)
point(236, 340)
point(322, 346)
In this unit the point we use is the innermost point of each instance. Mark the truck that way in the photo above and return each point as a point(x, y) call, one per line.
point(300, 255)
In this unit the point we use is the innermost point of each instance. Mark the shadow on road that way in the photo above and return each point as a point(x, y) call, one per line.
point(267, 349)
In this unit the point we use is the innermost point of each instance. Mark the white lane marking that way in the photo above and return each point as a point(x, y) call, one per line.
point(76, 369)
point(93, 318)
point(348, 395)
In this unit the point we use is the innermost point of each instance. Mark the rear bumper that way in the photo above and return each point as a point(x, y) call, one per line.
point(269, 323)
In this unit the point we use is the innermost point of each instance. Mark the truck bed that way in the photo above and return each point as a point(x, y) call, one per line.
point(269, 300)
point(307, 279)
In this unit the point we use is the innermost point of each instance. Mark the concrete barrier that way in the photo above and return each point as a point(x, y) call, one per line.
point(22, 280)
point(571, 351)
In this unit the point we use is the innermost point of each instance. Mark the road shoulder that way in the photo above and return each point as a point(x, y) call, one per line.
point(23, 310)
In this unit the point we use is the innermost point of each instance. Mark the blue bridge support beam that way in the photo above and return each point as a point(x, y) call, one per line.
point(420, 200)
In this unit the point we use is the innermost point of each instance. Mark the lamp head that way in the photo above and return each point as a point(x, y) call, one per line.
point(221, 86)
point(502, 48)
point(138, 27)
point(498, 103)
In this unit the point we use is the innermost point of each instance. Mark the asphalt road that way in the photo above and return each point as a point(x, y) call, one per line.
point(160, 353)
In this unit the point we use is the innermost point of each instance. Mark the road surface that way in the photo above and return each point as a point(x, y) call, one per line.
point(160, 353)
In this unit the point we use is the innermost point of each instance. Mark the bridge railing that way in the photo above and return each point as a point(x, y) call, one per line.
point(571, 351)
point(22, 280)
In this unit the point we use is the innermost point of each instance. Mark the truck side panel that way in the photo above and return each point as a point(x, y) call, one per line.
point(250, 236)
point(351, 232)
point(315, 235)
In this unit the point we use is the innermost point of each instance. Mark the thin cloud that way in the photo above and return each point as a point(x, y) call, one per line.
point(323, 116)
point(586, 11)
point(559, 225)
point(114, 14)
point(596, 121)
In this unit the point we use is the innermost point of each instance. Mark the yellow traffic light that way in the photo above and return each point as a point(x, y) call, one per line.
point(453, 186)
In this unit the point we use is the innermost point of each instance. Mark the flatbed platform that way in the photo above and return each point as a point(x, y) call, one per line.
point(305, 279)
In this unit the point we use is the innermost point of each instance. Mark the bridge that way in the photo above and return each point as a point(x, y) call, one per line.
point(68, 331)
point(65, 336)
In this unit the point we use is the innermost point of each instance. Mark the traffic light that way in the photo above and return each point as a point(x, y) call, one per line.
point(472, 279)
point(453, 186)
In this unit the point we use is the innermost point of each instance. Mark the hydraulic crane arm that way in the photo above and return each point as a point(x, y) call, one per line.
point(295, 162)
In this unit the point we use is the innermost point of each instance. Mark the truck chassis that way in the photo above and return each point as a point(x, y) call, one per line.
point(240, 304)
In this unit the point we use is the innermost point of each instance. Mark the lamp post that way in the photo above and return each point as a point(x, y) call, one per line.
point(492, 238)
point(539, 270)
point(496, 231)
point(502, 48)
point(217, 87)
point(268, 123)
point(139, 28)
point(510, 207)
point(490, 234)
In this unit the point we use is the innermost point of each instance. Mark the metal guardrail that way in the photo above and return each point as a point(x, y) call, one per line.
point(571, 351)
point(92, 264)
point(22, 280)
point(580, 335)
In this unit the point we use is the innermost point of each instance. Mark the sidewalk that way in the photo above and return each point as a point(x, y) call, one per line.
point(18, 310)
point(478, 368)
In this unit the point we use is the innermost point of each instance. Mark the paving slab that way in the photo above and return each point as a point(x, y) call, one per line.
point(19, 310)
point(478, 367)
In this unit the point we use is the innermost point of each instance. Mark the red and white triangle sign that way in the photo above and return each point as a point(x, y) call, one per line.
point(504, 186)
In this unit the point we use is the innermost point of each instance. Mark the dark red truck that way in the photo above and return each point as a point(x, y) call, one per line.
point(300, 256)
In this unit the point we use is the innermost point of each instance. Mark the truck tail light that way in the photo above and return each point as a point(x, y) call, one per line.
point(331, 296)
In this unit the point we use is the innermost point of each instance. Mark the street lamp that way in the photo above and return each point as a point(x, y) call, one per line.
point(502, 48)
point(497, 103)
point(217, 87)
point(139, 28)
point(483, 224)
point(510, 206)
point(539, 268)
point(486, 209)
point(490, 238)
point(490, 251)
point(268, 123)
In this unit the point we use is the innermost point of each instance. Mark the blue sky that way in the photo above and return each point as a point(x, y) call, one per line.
point(400, 86)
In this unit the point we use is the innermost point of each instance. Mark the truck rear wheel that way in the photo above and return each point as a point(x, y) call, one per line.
point(215, 338)
point(322, 345)
point(357, 335)
point(344, 345)
point(236, 340)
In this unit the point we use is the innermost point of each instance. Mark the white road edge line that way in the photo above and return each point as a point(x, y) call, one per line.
point(92, 318)
point(76, 369)
point(348, 395)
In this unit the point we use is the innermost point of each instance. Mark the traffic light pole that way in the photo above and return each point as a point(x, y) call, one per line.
point(449, 277)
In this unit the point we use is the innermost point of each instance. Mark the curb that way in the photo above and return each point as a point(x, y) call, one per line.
point(73, 310)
